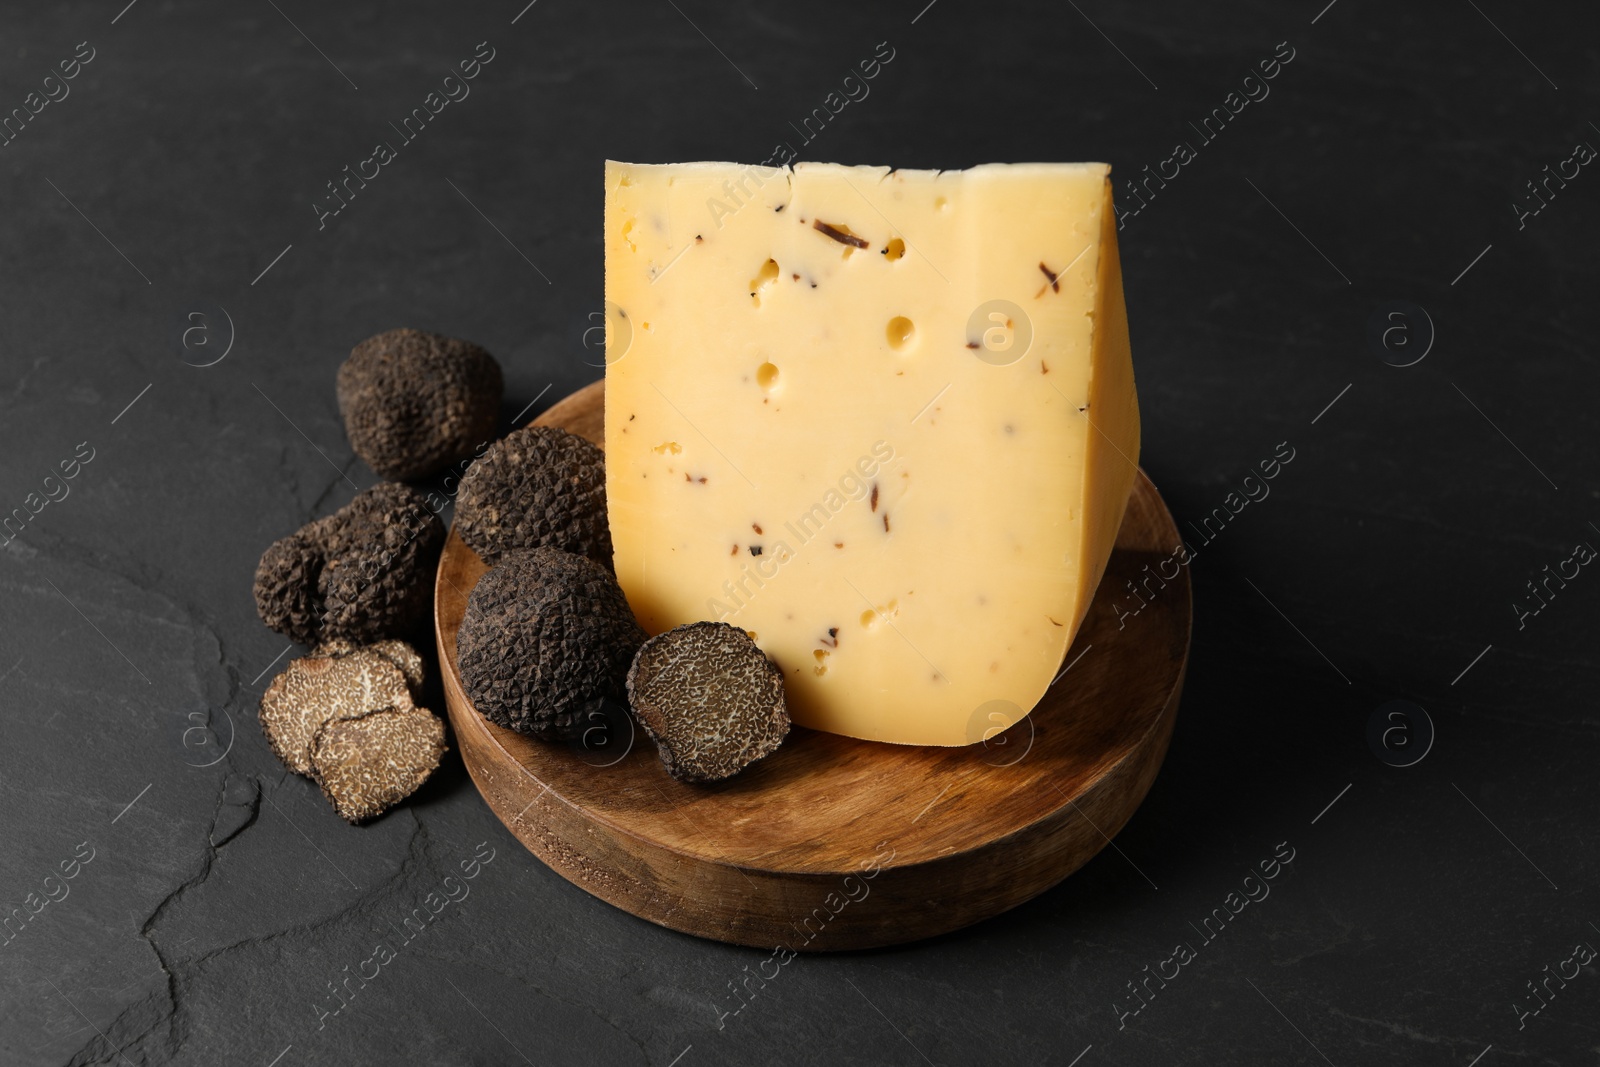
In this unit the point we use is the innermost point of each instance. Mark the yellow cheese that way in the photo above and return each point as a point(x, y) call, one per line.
point(883, 420)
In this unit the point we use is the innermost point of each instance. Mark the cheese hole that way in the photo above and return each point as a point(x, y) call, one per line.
point(767, 376)
point(872, 617)
point(764, 277)
point(627, 228)
point(894, 249)
point(900, 332)
point(941, 204)
point(822, 662)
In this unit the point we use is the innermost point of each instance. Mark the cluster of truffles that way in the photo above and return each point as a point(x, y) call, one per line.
point(360, 574)
point(548, 636)
point(349, 583)
point(345, 717)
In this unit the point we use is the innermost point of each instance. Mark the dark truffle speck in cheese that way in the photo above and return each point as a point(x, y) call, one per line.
point(547, 637)
point(414, 402)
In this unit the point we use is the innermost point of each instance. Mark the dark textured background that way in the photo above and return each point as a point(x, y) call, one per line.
point(219, 905)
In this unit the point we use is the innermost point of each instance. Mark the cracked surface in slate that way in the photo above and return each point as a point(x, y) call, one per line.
point(213, 913)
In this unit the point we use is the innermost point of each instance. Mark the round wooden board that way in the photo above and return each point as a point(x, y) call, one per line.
point(833, 843)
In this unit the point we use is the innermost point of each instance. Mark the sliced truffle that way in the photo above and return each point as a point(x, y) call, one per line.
point(367, 764)
point(537, 487)
point(711, 700)
point(317, 688)
point(399, 653)
point(415, 402)
point(345, 717)
point(360, 574)
point(547, 636)
point(403, 656)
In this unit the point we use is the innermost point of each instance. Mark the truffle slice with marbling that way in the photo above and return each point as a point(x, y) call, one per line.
point(413, 402)
point(317, 688)
point(369, 763)
point(399, 653)
point(710, 699)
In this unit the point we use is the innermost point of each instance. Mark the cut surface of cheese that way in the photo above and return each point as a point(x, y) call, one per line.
point(883, 420)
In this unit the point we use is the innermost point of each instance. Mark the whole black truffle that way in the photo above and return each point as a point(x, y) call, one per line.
point(361, 574)
point(546, 638)
point(710, 699)
point(414, 402)
point(537, 487)
point(286, 585)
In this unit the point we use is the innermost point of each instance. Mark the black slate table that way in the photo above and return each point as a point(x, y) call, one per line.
point(1343, 262)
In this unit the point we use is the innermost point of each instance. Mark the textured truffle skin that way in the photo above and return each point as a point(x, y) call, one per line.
point(710, 699)
point(368, 764)
point(286, 586)
point(537, 487)
point(377, 577)
point(547, 636)
point(360, 574)
point(413, 402)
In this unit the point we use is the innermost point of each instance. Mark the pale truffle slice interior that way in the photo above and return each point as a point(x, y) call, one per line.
point(368, 764)
point(710, 699)
point(316, 688)
point(395, 651)
point(403, 656)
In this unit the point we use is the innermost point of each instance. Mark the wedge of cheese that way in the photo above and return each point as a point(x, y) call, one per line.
point(883, 420)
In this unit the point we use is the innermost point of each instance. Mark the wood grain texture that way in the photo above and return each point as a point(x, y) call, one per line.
point(834, 843)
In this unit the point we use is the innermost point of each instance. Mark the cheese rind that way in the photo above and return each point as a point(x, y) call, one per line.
point(885, 421)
